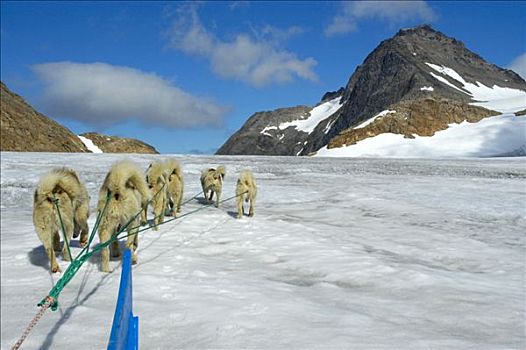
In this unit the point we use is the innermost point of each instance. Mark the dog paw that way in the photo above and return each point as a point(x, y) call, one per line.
point(55, 269)
point(83, 243)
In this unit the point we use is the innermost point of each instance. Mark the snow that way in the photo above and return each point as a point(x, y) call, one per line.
point(317, 115)
point(370, 120)
point(427, 88)
point(90, 145)
point(328, 126)
point(500, 99)
point(361, 253)
point(489, 137)
point(268, 128)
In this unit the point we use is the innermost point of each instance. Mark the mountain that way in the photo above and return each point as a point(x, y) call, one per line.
point(25, 129)
point(99, 143)
point(415, 84)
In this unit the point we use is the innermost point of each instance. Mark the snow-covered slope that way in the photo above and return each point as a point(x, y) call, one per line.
point(497, 98)
point(489, 137)
point(90, 145)
point(361, 253)
point(316, 116)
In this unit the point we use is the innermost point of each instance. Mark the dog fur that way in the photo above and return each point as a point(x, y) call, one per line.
point(64, 185)
point(129, 195)
point(246, 190)
point(157, 183)
point(212, 182)
point(174, 191)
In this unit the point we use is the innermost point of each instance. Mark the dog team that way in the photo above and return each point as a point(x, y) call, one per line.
point(61, 199)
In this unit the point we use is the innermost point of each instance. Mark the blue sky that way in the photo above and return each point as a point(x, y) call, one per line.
point(183, 76)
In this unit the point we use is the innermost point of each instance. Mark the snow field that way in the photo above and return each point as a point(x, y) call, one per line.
point(364, 253)
point(489, 137)
point(90, 145)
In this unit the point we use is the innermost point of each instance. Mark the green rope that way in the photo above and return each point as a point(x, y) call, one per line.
point(79, 260)
point(185, 214)
point(76, 263)
point(66, 243)
point(96, 226)
point(158, 216)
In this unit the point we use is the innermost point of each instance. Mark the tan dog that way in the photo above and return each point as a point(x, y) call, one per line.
point(60, 184)
point(246, 189)
point(157, 183)
point(129, 195)
point(212, 181)
point(174, 191)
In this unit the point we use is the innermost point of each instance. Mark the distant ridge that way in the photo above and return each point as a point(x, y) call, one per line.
point(23, 129)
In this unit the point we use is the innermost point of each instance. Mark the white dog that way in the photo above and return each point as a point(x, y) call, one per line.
point(212, 181)
point(246, 189)
point(60, 184)
point(174, 191)
point(157, 183)
point(129, 195)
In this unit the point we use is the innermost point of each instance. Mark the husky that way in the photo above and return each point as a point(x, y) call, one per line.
point(174, 191)
point(64, 186)
point(128, 196)
point(212, 181)
point(246, 190)
point(157, 183)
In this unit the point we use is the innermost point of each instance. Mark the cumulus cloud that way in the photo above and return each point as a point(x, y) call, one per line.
point(519, 65)
point(393, 12)
point(258, 61)
point(101, 94)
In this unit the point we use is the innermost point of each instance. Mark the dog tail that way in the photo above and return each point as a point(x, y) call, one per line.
point(127, 175)
point(57, 181)
point(155, 175)
point(173, 168)
point(221, 171)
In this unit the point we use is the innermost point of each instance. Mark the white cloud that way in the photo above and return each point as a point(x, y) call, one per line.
point(257, 61)
point(519, 65)
point(393, 12)
point(103, 95)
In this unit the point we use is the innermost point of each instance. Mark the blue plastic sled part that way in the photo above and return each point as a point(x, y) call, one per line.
point(125, 328)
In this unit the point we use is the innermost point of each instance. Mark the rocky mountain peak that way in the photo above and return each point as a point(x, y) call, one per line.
point(414, 67)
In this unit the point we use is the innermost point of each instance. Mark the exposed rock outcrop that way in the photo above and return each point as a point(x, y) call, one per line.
point(25, 129)
point(422, 117)
point(115, 144)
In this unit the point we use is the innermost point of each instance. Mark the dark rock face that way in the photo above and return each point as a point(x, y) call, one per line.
point(331, 95)
point(261, 135)
point(395, 72)
point(24, 129)
point(114, 144)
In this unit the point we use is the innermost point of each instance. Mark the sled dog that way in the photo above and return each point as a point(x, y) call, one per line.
point(156, 180)
point(63, 185)
point(128, 195)
point(174, 191)
point(212, 181)
point(246, 190)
